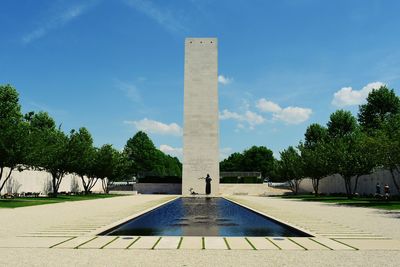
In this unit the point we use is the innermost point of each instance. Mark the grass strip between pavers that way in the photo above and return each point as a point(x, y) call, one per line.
point(248, 241)
point(158, 241)
point(297, 243)
point(133, 242)
point(85, 242)
point(109, 242)
point(273, 243)
point(226, 243)
point(180, 243)
point(62, 242)
point(321, 244)
point(345, 244)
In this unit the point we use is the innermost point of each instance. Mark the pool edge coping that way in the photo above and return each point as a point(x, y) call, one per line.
point(115, 224)
point(299, 228)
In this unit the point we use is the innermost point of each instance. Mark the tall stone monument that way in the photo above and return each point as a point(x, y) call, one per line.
point(201, 123)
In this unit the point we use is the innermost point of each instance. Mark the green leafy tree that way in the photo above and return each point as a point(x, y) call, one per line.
point(104, 165)
point(381, 104)
point(141, 153)
point(341, 123)
point(81, 157)
point(291, 168)
point(314, 153)
point(258, 158)
point(13, 134)
point(49, 148)
point(389, 141)
point(232, 163)
point(352, 152)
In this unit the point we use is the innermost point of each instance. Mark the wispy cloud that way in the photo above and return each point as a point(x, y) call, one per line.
point(224, 80)
point(57, 21)
point(156, 127)
point(130, 90)
point(163, 16)
point(347, 96)
point(172, 151)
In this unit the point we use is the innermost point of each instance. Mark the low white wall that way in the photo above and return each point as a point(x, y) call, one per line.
point(366, 184)
point(158, 188)
point(224, 189)
point(36, 181)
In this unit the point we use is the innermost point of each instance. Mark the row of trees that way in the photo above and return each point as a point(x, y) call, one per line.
point(33, 141)
point(348, 146)
point(256, 158)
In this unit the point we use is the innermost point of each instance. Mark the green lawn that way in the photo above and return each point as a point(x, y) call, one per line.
point(31, 201)
point(355, 202)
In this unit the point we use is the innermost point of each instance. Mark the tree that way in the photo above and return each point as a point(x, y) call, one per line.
point(13, 134)
point(389, 141)
point(104, 165)
point(314, 135)
point(341, 123)
point(291, 168)
point(258, 158)
point(232, 163)
point(352, 152)
point(314, 153)
point(81, 157)
point(49, 148)
point(381, 104)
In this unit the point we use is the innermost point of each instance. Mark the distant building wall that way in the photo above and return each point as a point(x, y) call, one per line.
point(366, 183)
point(158, 188)
point(36, 181)
point(175, 189)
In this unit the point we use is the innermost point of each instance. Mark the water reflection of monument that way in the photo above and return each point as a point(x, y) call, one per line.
point(201, 127)
point(200, 214)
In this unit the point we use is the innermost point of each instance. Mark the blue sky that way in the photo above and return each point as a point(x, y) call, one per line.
point(116, 67)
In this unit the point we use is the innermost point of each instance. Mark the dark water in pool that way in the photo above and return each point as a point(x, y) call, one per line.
point(203, 217)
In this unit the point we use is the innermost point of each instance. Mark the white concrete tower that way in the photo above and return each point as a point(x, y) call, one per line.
point(201, 122)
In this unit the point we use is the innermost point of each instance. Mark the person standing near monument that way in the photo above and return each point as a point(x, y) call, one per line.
point(208, 184)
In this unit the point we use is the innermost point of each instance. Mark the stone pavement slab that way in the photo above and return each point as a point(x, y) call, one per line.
point(98, 242)
point(284, 243)
point(31, 242)
point(332, 244)
point(370, 244)
point(145, 242)
point(168, 242)
point(238, 243)
point(214, 242)
point(308, 244)
point(192, 242)
point(261, 243)
point(121, 242)
point(75, 242)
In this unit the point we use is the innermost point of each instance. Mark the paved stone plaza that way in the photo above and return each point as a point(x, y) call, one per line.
point(66, 234)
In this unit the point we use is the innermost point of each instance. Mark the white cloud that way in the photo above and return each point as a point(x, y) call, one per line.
point(349, 97)
point(251, 118)
point(224, 80)
point(156, 127)
point(293, 115)
point(172, 151)
point(164, 17)
point(267, 106)
point(56, 21)
point(289, 115)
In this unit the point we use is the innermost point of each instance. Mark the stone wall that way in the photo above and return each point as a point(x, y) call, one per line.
point(37, 181)
point(366, 184)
